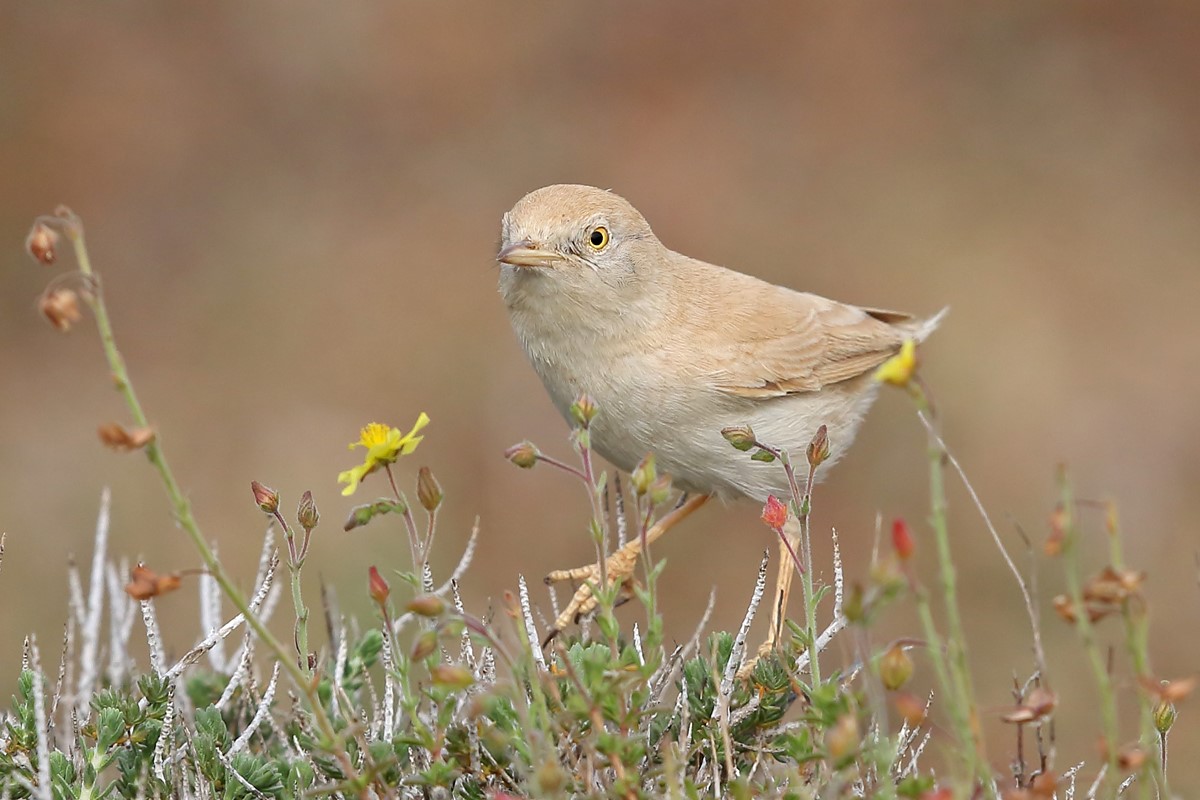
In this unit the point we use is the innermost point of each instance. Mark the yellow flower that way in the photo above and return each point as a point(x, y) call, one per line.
point(899, 369)
point(384, 445)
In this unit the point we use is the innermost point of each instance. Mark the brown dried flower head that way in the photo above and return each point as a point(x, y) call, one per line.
point(1038, 705)
point(1065, 608)
point(118, 438)
point(1131, 758)
point(1168, 691)
point(61, 308)
point(1059, 521)
point(1111, 586)
point(145, 583)
point(41, 243)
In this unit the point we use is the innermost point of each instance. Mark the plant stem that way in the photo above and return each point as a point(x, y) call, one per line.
point(295, 564)
point(959, 684)
point(806, 575)
point(1136, 635)
point(182, 507)
point(1083, 625)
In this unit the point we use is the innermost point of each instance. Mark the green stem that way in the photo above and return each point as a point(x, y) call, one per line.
point(806, 578)
point(301, 618)
point(1138, 646)
point(940, 658)
point(963, 696)
point(179, 501)
point(1083, 625)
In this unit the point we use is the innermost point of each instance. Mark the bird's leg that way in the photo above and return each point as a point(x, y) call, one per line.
point(618, 568)
point(789, 544)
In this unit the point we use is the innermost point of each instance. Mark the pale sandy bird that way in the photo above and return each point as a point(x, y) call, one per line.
point(673, 350)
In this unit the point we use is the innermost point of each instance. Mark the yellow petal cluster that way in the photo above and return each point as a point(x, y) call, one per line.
point(384, 445)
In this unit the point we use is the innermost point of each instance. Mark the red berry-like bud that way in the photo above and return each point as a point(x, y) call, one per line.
point(377, 587)
point(774, 513)
point(902, 539)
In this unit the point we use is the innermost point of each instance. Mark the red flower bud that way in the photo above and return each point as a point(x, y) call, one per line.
point(774, 513)
point(902, 539)
point(266, 497)
point(377, 587)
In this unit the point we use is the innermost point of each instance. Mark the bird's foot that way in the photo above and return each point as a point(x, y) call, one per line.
point(618, 569)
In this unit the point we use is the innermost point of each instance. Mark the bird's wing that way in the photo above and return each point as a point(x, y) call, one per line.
point(776, 341)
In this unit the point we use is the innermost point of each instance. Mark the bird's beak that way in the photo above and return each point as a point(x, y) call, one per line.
point(525, 254)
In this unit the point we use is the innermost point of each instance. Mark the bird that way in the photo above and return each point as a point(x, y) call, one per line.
point(674, 350)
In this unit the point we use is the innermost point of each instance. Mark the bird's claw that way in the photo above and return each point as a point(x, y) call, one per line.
point(618, 569)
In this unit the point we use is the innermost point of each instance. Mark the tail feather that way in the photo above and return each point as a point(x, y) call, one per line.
point(922, 328)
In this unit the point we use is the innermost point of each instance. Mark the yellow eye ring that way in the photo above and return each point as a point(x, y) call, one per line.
point(598, 238)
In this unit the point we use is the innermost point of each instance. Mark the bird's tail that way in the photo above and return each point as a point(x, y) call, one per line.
point(920, 329)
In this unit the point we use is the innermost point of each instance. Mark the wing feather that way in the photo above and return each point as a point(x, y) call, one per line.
point(775, 341)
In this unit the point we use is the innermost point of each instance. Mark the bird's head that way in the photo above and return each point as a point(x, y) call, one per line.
point(575, 243)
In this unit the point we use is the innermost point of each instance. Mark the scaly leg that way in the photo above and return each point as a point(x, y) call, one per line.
point(618, 568)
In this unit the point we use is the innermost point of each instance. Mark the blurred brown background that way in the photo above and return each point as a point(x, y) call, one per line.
point(295, 208)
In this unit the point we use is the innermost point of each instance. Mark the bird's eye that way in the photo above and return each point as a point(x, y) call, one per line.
point(599, 238)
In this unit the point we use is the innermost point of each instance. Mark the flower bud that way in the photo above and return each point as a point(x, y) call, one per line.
point(424, 646)
point(429, 491)
point(1164, 717)
point(643, 475)
point(660, 490)
point(740, 436)
point(843, 739)
point(910, 708)
point(818, 448)
point(902, 540)
point(584, 410)
point(427, 605)
point(451, 676)
point(377, 587)
point(41, 242)
point(61, 308)
point(306, 512)
point(774, 513)
point(895, 668)
point(266, 497)
point(524, 455)
point(855, 609)
point(550, 778)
